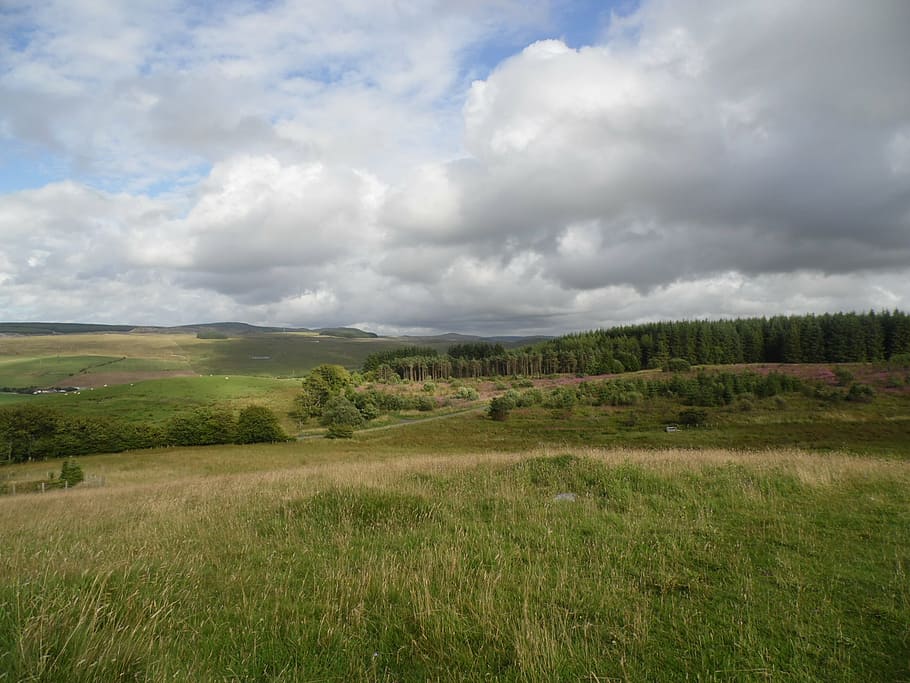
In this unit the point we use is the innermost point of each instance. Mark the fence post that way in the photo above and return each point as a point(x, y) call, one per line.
point(42, 487)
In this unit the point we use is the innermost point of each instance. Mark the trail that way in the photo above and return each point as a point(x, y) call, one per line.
point(406, 422)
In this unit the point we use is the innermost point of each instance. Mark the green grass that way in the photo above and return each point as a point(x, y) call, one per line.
point(158, 400)
point(322, 561)
point(283, 355)
point(274, 355)
point(45, 371)
point(9, 399)
point(881, 428)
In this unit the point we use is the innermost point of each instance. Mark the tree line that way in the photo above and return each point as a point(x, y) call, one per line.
point(828, 338)
point(33, 432)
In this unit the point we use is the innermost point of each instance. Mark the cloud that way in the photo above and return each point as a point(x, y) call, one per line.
point(328, 163)
point(684, 154)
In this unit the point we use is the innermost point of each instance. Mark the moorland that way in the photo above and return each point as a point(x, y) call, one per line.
point(718, 501)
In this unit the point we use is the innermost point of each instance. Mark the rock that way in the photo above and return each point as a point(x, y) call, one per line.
point(564, 497)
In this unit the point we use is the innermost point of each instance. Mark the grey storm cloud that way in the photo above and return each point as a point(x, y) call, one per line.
point(771, 142)
point(335, 165)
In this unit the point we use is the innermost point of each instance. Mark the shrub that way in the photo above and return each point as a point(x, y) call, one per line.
point(467, 394)
point(71, 473)
point(429, 387)
point(693, 418)
point(843, 376)
point(339, 431)
point(341, 411)
point(201, 427)
point(561, 398)
point(532, 397)
point(499, 409)
point(628, 398)
point(900, 360)
point(861, 393)
point(258, 424)
point(677, 365)
point(424, 404)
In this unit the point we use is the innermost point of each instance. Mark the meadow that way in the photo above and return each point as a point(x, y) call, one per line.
point(348, 561)
point(569, 541)
point(95, 359)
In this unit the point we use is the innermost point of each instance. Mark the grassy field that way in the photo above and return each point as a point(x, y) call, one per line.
point(156, 401)
point(347, 561)
point(438, 550)
point(45, 360)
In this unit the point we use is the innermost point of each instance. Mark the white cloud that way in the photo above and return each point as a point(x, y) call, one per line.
point(322, 163)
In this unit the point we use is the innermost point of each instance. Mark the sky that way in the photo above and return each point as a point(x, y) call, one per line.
point(479, 166)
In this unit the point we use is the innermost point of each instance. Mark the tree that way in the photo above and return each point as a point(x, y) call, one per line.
point(340, 411)
point(499, 408)
point(71, 474)
point(201, 427)
point(257, 424)
point(322, 384)
point(25, 429)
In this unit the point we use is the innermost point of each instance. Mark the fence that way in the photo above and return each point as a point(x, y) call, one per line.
point(12, 487)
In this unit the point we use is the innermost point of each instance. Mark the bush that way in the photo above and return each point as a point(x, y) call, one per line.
point(861, 393)
point(532, 397)
point(562, 398)
point(899, 360)
point(201, 427)
point(424, 404)
point(843, 376)
point(429, 387)
point(71, 473)
point(339, 431)
point(341, 411)
point(467, 394)
point(258, 424)
point(693, 418)
point(677, 365)
point(499, 409)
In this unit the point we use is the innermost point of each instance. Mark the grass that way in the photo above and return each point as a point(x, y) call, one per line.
point(325, 561)
point(437, 550)
point(158, 400)
point(274, 355)
point(881, 428)
point(46, 371)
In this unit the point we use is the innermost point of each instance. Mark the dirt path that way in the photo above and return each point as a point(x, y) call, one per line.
point(405, 422)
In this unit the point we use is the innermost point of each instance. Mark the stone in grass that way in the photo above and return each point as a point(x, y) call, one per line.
point(564, 497)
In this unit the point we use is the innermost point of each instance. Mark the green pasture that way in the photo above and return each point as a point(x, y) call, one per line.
point(282, 355)
point(9, 399)
point(49, 370)
point(133, 345)
point(158, 400)
point(326, 561)
point(44, 360)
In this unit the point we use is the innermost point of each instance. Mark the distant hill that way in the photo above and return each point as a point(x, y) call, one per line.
point(229, 329)
point(347, 332)
point(60, 328)
point(220, 330)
